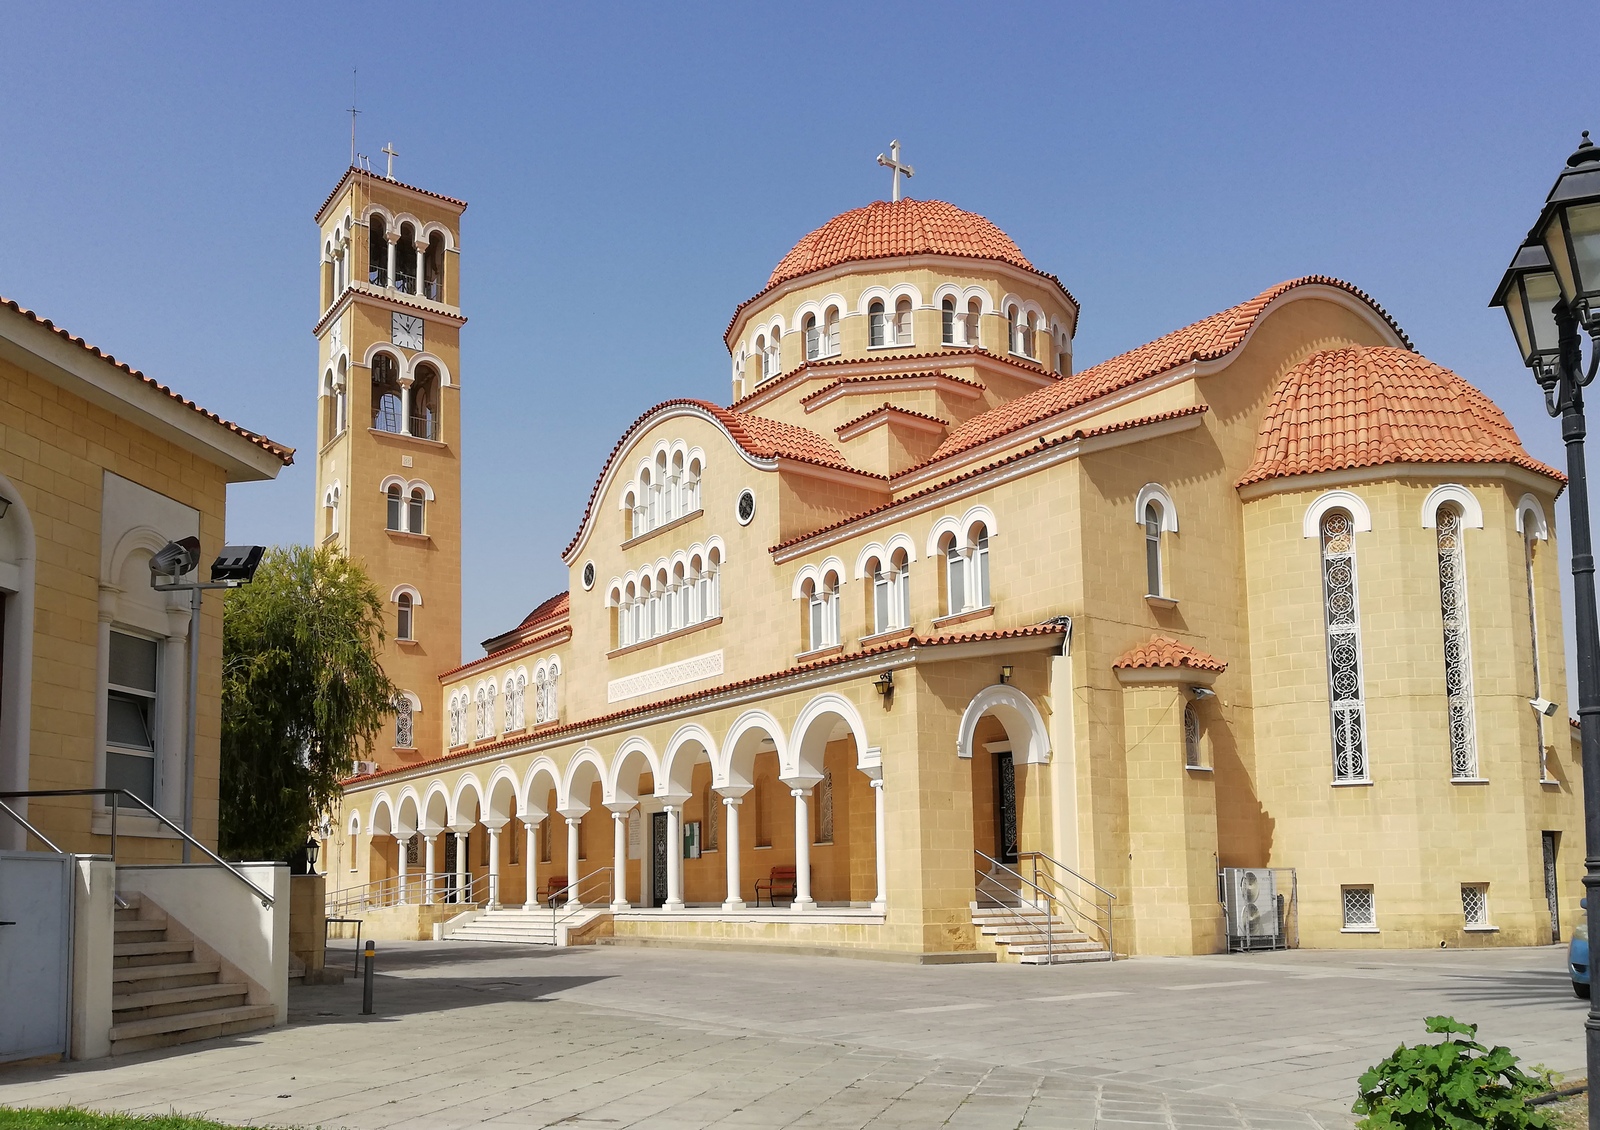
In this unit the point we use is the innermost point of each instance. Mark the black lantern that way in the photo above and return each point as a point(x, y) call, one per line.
point(312, 847)
point(1569, 229)
point(1528, 293)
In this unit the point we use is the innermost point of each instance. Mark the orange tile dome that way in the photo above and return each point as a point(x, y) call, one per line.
point(1364, 406)
point(901, 227)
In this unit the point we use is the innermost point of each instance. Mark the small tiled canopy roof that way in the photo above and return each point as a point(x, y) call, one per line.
point(1164, 651)
point(1364, 406)
point(903, 227)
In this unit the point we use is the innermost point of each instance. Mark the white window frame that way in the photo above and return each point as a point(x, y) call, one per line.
point(1450, 526)
point(1350, 712)
point(157, 716)
point(1357, 926)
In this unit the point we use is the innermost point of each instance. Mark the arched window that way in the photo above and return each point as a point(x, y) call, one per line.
point(664, 490)
point(341, 403)
point(812, 592)
point(980, 566)
point(490, 715)
point(882, 598)
point(1530, 535)
point(813, 337)
point(455, 720)
point(775, 352)
point(377, 251)
point(900, 578)
point(424, 421)
point(1012, 344)
point(877, 325)
point(1342, 613)
point(522, 690)
point(1064, 354)
point(330, 511)
point(974, 313)
point(1152, 550)
point(392, 495)
point(552, 693)
point(831, 326)
point(691, 487)
point(510, 698)
point(955, 575)
point(330, 407)
point(766, 359)
point(1457, 643)
point(481, 726)
point(402, 722)
point(714, 589)
point(1191, 738)
point(415, 507)
point(1028, 328)
point(403, 612)
point(947, 321)
point(405, 260)
point(386, 393)
point(902, 321)
point(540, 686)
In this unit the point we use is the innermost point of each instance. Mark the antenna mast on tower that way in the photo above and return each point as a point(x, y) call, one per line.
point(353, 113)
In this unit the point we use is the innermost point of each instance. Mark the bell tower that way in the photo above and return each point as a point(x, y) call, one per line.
point(389, 428)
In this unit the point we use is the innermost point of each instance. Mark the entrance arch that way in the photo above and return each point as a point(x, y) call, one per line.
point(1003, 735)
point(838, 803)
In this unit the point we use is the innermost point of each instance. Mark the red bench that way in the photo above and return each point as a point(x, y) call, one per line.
point(555, 888)
point(780, 882)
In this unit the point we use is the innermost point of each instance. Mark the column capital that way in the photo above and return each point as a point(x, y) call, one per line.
point(875, 782)
point(495, 823)
point(733, 792)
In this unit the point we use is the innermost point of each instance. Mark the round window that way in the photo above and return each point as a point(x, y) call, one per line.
point(747, 507)
point(588, 575)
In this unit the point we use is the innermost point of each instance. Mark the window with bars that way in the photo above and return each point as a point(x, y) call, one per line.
point(1344, 647)
point(1191, 738)
point(1533, 644)
point(1457, 652)
point(402, 722)
point(1360, 910)
point(1475, 903)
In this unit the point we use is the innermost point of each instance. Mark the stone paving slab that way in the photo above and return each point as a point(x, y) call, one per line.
point(501, 1036)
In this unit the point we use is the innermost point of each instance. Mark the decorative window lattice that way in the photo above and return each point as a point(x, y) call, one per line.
point(1457, 652)
point(1533, 645)
point(1191, 738)
point(402, 722)
point(1359, 909)
point(1344, 647)
point(1475, 904)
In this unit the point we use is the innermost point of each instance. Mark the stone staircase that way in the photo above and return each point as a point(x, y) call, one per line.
point(162, 994)
point(1019, 934)
point(517, 926)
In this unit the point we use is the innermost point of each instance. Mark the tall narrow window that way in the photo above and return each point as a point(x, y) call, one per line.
point(424, 421)
point(947, 321)
point(877, 325)
point(980, 567)
point(402, 722)
point(815, 613)
point(1152, 550)
point(900, 566)
point(402, 623)
point(393, 496)
point(490, 714)
point(955, 574)
point(520, 717)
point(1012, 344)
point(414, 511)
point(131, 715)
point(882, 599)
point(813, 338)
point(1457, 646)
point(974, 312)
point(1191, 738)
point(1028, 328)
point(1529, 537)
point(1344, 646)
point(902, 322)
point(377, 251)
point(833, 330)
point(385, 393)
point(830, 626)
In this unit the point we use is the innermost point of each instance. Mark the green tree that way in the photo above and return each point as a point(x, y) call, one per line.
point(303, 694)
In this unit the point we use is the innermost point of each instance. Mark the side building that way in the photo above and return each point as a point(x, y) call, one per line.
point(926, 629)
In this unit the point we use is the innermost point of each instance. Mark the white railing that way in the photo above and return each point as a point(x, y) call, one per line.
point(1054, 889)
point(410, 889)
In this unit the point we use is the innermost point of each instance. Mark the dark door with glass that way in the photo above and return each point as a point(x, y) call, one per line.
point(1550, 885)
point(450, 867)
point(1005, 809)
point(658, 858)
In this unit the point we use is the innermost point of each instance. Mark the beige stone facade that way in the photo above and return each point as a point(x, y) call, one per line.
point(933, 620)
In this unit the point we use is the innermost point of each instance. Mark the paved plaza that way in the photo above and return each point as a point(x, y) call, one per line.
point(621, 1037)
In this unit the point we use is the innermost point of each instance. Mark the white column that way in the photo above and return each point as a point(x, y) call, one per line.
point(405, 410)
point(730, 848)
point(402, 842)
point(674, 858)
point(572, 860)
point(802, 852)
point(461, 866)
point(422, 257)
point(880, 901)
point(494, 868)
point(619, 861)
point(530, 853)
point(429, 875)
point(394, 241)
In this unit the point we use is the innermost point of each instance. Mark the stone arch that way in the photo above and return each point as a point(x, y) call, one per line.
point(684, 751)
point(542, 776)
point(825, 718)
point(585, 768)
point(458, 813)
point(1024, 725)
point(435, 809)
point(633, 759)
point(741, 744)
point(408, 812)
point(1165, 507)
point(380, 822)
point(503, 795)
point(1471, 508)
point(1530, 517)
point(1311, 527)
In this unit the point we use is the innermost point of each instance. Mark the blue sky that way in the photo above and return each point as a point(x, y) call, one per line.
point(635, 171)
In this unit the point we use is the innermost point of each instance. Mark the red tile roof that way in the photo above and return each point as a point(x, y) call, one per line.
point(1362, 406)
point(284, 453)
point(946, 356)
point(761, 437)
point(1012, 457)
point(1206, 340)
point(886, 407)
point(883, 378)
point(905, 644)
point(1164, 651)
point(558, 634)
point(885, 229)
point(353, 171)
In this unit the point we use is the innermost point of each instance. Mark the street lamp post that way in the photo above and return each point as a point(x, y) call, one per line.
point(1551, 289)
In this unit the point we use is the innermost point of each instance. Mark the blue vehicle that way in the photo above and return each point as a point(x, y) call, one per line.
point(1578, 955)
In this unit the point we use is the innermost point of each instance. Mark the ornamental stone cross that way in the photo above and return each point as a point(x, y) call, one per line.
point(893, 162)
point(392, 152)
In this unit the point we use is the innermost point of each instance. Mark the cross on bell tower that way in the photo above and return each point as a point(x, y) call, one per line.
point(893, 162)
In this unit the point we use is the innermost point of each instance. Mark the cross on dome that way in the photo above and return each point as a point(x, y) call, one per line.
point(893, 162)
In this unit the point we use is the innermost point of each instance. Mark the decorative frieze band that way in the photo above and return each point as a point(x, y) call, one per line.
point(677, 674)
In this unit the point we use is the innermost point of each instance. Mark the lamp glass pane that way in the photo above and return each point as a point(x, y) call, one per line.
point(1542, 292)
point(1517, 314)
point(1583, 230)
point(1554, 237)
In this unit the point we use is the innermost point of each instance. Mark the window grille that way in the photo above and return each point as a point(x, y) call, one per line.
point(511, 707)
point(481, 728)
point(402, 722)
point(1360, 912)
point(1533, 647)
point(538, 697)
point(1344, 647)
point(552, 695)
point(1457, 650)
point(1475, 904)
point(1191, 738)
point(489, 712)
point(522, 689)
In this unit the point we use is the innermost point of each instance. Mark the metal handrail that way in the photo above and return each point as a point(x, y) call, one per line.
point(397, 891)
point(266, 899)
point(1106, 928)
point(1049, 900)
point(38, 835)
point(575, 904)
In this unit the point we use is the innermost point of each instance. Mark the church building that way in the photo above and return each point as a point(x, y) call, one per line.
point(929, 642)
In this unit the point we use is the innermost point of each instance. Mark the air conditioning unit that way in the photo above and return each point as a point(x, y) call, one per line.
point(1253, 908)
point(362, 768)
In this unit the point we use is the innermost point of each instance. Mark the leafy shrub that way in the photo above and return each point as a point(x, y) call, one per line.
point(1457, 1084)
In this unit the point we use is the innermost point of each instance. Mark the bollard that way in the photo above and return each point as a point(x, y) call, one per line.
point(366, 987)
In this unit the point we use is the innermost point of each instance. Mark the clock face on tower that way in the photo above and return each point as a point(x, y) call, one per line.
point(406, 331)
